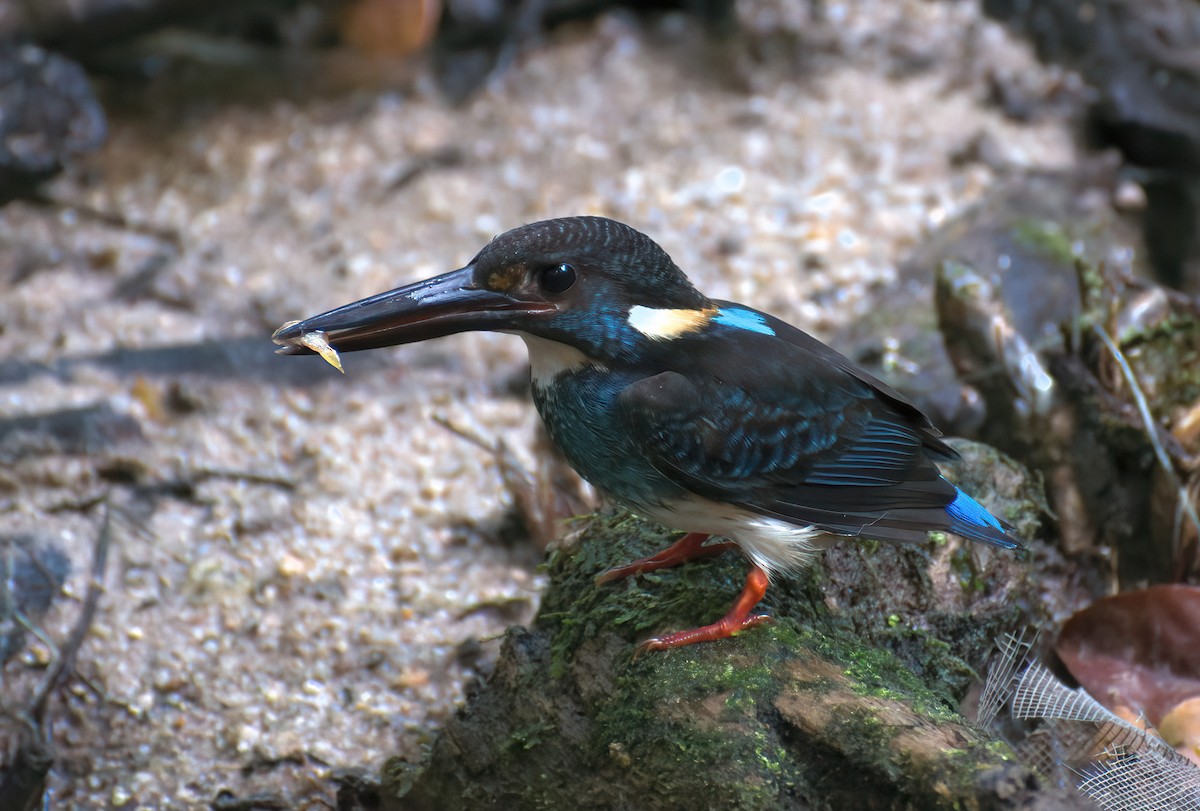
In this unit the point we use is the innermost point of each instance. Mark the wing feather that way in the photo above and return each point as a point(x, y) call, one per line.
point(786, 427)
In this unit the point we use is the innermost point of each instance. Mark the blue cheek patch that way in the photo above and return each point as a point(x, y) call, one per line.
point(743, 319)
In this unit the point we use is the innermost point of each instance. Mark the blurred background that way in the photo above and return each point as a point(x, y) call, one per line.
point(300, 570)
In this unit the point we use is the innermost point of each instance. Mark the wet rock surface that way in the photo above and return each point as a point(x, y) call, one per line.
point(1022, 240)
point(1142, 57)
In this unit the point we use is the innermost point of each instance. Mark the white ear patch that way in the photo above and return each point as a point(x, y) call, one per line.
point(663, 325)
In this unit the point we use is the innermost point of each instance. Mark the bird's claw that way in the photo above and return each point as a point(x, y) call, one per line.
point(722, 629)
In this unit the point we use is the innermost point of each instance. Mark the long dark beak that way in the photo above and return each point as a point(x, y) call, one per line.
point(439, 306)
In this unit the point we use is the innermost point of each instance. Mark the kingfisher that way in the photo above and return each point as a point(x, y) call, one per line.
point(707, 416)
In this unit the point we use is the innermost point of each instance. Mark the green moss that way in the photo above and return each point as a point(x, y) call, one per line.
point(865, 735)
point(869, 545)
point(877, 673)
point(1162, 345)
point(397, 776)
point(701, 723)
point(1165, 357)
point(702, 712)
point(962, 561)
point(1047, 238)
point(579, 609)
point(652, 718)
point(532, 735)
point(1000, 750)
point(660, 736)
point(672, 599)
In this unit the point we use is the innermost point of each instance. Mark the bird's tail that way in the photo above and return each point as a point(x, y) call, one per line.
point(970, 519)
point(902, 514)
point(963, 516)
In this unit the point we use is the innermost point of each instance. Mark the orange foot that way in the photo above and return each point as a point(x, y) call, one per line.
point(689, 547)
point(737, 620)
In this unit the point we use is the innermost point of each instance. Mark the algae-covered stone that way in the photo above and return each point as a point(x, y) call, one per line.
point(811, 711)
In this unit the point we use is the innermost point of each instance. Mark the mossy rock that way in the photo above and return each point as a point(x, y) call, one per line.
point(812, 711)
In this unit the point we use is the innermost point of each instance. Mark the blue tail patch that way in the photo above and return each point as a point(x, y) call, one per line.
point(971, 519)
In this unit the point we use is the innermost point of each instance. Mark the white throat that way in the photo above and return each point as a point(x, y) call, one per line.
point(549, 359)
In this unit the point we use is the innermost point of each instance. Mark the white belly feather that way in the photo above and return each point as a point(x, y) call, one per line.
point(774, 545)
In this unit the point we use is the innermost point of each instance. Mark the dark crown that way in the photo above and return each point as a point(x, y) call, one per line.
point(625, 254)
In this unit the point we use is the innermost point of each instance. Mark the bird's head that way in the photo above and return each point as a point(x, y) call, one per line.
point(590, 283)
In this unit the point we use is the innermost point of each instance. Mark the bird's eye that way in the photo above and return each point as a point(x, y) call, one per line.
point(557, 278)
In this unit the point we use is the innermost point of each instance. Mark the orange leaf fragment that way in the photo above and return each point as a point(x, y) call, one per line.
point(391, 27)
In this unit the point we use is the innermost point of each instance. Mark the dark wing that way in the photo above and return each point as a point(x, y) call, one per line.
point(809, 345)
point(784, 426)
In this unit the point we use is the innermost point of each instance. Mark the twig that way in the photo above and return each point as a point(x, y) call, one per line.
point(91, 599)
point(1164, 459)
point(23, 779)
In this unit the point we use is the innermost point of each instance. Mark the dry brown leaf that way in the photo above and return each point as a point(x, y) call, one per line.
point(1140, 649)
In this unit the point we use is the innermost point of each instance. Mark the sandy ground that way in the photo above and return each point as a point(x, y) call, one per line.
point(315, 601)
